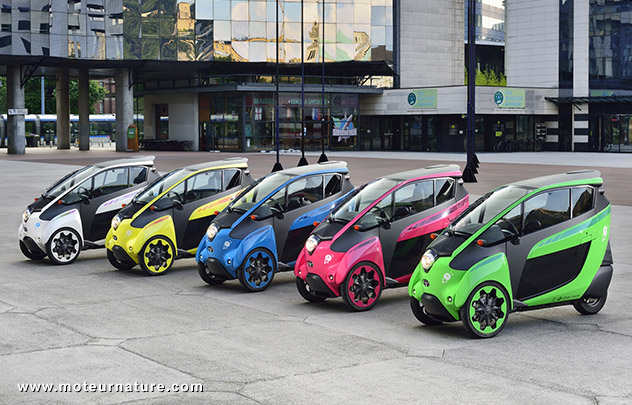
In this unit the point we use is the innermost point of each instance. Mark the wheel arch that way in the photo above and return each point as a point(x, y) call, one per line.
point(493, 269)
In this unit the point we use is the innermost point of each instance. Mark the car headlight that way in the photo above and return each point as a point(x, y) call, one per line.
point(26, 214)
point(116, 221)
point(212, 231)
point(428, 259)
point(311, 243)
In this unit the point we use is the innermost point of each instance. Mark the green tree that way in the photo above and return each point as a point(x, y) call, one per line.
point(32, 95)
point(489, 78)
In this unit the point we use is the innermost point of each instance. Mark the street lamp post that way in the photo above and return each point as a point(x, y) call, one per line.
point(302, 161)
point(277, 166)
point(470, 167)
point(323, 157)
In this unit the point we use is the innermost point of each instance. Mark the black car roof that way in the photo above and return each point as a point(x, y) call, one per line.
point(590, 176)
point(426, 171)
point(300, 170)
point(233, 161)
point(131, 160)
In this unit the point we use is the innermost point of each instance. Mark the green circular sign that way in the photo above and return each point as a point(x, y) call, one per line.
point(412, 98)
point(499, 97)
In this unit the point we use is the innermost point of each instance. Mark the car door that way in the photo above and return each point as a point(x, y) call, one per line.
point(302, 196)
point(537, 262)
point(97, 212)
point(200, 189)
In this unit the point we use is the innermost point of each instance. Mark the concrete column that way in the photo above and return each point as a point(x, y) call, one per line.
point(124, 108)
point(63, 109)
point(15, 123)
point(84, 110)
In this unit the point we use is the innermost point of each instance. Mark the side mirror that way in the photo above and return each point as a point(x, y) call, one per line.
point(532, 226)
point(179, 206)
point(401, 212)
point(386, 225)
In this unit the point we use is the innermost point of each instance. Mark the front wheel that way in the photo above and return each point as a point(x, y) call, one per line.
point(157, 255)
point(31, 255)
point(486, 310)
point(590, 306)
point(257, 271)
point(117, 263)
point(362, 287)
point(306, 292)
point(207, 276)
point(64, 246)
point(420, 313)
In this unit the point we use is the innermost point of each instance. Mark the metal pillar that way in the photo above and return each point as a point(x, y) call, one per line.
point(62, 94)
point(470, 167)
point(302, 161)
point(15, 122)
point(124, 108)
point(323, 157)
point(84, 110)
point(277, 165)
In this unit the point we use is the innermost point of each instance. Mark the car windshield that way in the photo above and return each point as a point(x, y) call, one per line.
point(258, 191)
point(486, 208)
point(353, 206)
point(69, 181)
point(160, 185)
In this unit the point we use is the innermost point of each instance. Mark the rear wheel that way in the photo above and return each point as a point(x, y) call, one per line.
point(590, 306)
point(117, 263)
point(64, 246)
point(257, 271)
point(420, 313)
point(306, 292)
point(486, 310)
point(31, 255)
point(157, 255)
point(207, 276)
point(362, 287)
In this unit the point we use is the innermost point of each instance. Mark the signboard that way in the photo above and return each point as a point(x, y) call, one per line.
point(423, 99)
point(343, 127)
point(132, 138)
point(540, 130)
point(509, 98)
point(17, 111)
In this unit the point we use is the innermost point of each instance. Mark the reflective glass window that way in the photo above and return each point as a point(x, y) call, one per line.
point(581, 200)
point(203, 185)
point(110, 181)
point(445, 190)
point(546, 209)
point(258, 11)
point(232, 178)
point(239, 10)
point(221, 9)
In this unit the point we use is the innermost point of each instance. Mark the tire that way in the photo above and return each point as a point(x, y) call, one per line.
point(362, 287)
point(589, 305)
point(64, 246)
point(117, 263)
point(420, 313)
point(157, 255)
point(207, 276)
point(31, 255)
point(257, 271)
point(306, 292)
point(486, 310)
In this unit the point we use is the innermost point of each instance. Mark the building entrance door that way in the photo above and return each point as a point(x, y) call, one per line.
point(615, 132)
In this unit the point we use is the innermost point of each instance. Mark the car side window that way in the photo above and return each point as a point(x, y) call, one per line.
point(137, 175)
point(445, 190)
point(272, 205)
point(507, 227)
point(546, 209)
point(413, 198)
point(581, 200)
point(381, 213)
point(333, 184)
point(110, 181)
point(203, 185)
point(304, 191)
point(172, 198)
point(79, 193)
point(232, 178)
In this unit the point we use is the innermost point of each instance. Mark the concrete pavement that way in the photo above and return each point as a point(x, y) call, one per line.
point(90, 323)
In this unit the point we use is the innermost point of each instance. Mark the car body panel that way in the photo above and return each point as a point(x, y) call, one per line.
point(181, 224)
point(282, 236)
point(395, 249)
point(551, 265)
point(87, 217)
